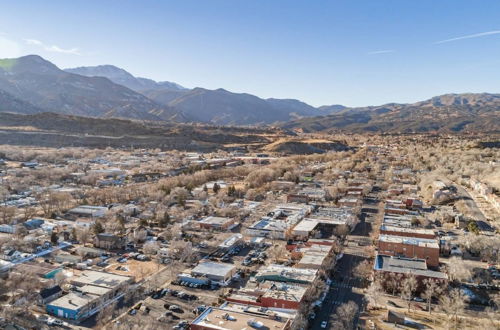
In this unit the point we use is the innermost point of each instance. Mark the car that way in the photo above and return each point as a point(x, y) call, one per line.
point(418, 299)
point(132, 311)
point(312, 316)
point(175, 308)
point(54, 322)
point(323, 324)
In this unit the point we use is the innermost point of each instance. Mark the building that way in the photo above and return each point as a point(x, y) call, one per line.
point(280, 273)
point(387, 265)
point(93, 291)
point(217, 223)
point(49, 294)
point(349, 202)
point(407, 232)
point(410, 247)
point(279, 222)
point(231, 242)
point(273, 295)
point(325, 218)
point(297, 198)
point(214, 271)
point(109, 241)
point(88, 211)
point(228, 319)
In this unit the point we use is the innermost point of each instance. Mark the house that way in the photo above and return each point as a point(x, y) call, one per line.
point(49, 294)
point(33, 224)
point(11, 254)
point(109, 241)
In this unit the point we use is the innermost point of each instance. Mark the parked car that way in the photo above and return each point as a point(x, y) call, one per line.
point(175, 308)
point(323, 324)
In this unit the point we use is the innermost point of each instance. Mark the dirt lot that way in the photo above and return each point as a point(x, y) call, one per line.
point(138, 269)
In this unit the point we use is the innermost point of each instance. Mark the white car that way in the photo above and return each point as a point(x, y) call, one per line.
point(323, 324)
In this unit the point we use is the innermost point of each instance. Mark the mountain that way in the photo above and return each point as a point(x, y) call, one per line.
point(122, 77)
point(445, 113)
point(222, 107)
point(10, 103)
point(334, 108)
point(35, 81)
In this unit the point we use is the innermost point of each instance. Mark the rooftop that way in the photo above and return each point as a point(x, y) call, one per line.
point(213, 268)
point(405, 266)
point(423, 242)
point(222, 319)
point(102, 279)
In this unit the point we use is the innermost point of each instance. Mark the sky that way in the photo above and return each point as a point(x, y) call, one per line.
point(348, 52)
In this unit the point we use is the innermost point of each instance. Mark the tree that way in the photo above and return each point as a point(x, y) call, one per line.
point(408, 288)
point(457, 270)
point(375, 290)
point(453, 304)
point(165, 220)
point(363, 271)
point(216, 188)
point(345, 316)
point(432, 289)
point(98, 228)
point(54, 238)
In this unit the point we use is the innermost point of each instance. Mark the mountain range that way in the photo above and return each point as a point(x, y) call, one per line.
point(31, 85)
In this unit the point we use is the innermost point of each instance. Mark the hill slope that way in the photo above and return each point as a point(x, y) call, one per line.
point(445, 113)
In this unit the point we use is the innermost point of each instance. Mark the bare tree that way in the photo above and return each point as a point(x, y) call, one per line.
point(432, 289)
point(346, 315)
point(408, 288)
point(457, 270)
point(453, 304)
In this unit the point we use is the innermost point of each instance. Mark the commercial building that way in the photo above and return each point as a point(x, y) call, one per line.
point(280, 273)
point(88, 211)
point(214, 271)
point(410, 247)
point(93, 291)
point(217, 223)
point(279, 222)
point(247, 318)
point(388, 265)
point(407, 232)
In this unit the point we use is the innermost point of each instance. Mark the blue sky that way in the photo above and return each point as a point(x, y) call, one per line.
point(322, 52)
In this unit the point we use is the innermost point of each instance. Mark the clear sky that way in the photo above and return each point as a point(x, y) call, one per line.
point(322, 52)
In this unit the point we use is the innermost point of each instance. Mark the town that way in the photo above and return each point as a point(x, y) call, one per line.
point(395, 230)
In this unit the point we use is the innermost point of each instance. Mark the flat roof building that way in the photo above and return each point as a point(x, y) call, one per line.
point(410, 247)
point(214, 271)
point(281, 273)
point(226, 319)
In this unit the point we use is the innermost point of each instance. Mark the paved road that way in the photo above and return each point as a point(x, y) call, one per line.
point(471, 204)
point(344, 287)
point(61, 245)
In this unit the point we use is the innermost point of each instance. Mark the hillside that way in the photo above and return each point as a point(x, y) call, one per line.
point(55, 130)
point(33, 80)
point(446, 113)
